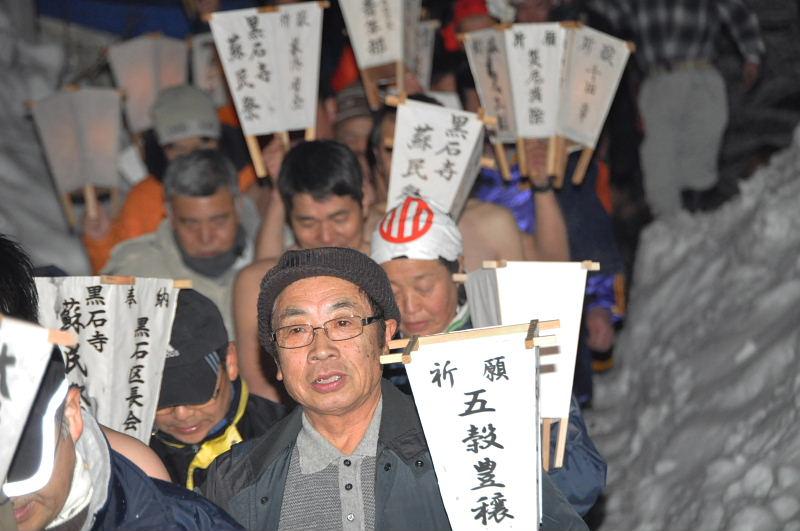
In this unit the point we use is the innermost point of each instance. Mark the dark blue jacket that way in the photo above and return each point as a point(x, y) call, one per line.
point(137, 502)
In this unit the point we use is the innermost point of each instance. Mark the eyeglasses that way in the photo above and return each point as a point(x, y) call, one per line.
point(337, 329)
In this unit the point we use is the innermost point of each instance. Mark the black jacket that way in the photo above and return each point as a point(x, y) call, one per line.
point(249, 481)
point(136, 502)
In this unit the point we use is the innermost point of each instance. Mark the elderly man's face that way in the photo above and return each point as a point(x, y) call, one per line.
point(336, 221)
point(425, 293)
point(330, 378)
point(205, 226)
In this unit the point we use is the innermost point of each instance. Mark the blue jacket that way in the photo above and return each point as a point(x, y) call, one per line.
point(137, 502)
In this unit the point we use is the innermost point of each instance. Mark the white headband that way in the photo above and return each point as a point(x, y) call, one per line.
point(416, 229)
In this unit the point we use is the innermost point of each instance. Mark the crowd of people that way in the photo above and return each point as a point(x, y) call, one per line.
point(274, 410)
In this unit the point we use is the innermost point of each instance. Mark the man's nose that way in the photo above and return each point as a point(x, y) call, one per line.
point(322, 347)
point(326, 233)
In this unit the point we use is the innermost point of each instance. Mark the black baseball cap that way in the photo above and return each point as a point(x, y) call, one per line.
point(197, 348)
point(33, 461)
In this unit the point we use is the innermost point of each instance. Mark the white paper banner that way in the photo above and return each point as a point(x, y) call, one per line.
point(596, 63)
point(207, 72)
point(436, 154)
point(376, 30)
point(536, 59)
point(123, 335)
point(477, 402)
point(412, 10)
point(486, 53)
point(423, 53)
point(80, 134)
point(271, 62)
point(24, 353)
point(143, 67)
point(522, 291)
point(298, 49)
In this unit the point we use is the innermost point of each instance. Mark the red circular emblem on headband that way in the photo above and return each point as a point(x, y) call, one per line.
point(407, 222)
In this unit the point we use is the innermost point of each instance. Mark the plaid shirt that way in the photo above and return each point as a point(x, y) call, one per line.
point(668, 32)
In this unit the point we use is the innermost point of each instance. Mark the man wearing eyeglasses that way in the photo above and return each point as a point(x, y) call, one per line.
point(353, 456)
point(204, 407)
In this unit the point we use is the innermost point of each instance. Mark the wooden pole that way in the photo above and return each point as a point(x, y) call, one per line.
point(311, 134)
point(546, 425)
point(284, 136)
point(502, 160)
point(522, 158)
point(400, 78)
point(90, 200)
point(256, 156)
point(69, 211)
point(583, 166)
point(562, 161)
point(561, 444)
point(552, 157)
point(371, 89)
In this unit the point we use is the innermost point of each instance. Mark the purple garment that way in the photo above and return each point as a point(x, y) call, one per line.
point(492, 188)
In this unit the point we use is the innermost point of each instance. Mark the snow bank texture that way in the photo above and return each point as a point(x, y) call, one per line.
point(699, 421)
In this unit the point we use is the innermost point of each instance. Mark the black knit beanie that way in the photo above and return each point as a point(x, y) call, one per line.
point(340, 262)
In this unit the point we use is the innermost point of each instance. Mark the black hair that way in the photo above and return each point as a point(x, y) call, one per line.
point(18, 295)
point(321, 168)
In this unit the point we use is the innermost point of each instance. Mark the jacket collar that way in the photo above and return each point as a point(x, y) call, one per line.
point(400, 430)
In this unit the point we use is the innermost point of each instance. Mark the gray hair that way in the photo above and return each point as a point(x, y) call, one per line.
point(200, 174)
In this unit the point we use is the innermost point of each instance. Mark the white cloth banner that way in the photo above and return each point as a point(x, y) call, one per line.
point(436, 154)
point(271, 61)
point(24, 353)
point(80, 134)
point(596, 63)
point(143, 67)
point(123, 335)
point(376, 30)
point(477, 400)
point(522, 291)
point(207, 72)
point(423, 52)
point(486, 53)
point(536, 58)
point(298, 46)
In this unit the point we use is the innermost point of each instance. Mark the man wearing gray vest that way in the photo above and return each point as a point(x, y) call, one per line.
point(353, 456)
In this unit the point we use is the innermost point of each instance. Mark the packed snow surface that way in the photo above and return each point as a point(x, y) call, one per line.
point(699, 418)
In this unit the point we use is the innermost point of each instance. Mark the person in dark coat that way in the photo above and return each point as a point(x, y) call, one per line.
point(204, 407)
point(353, 454)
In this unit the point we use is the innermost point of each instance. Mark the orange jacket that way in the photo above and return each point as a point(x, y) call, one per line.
point(142, 213)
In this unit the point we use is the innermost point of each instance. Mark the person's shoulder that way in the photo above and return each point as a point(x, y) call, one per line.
point(264, 412)
point(130, 254)
point(483, 211)
point(254, 272)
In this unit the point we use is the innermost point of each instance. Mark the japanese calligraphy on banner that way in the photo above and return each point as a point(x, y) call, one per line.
point(486, 53)
point(376, 30)
point(522, 291)
point(24, 354)
point(79, 130)
point(597, 62)
point(123, 333)
point(143, 67)
point(271, 61)
point(412, 10)
point(537, 52)
point(477, 400)
point(298, 48)
point(421, 64)
point(207, 72)
point(436, 153)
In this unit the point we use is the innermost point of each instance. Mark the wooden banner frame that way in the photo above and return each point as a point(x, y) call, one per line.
point(63, 338)
point(533, 340)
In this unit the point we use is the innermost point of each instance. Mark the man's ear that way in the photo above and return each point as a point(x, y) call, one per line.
point(72, 412)
point(461, 264)
point(232, 361)
point(391, 330)
point(278, 371)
